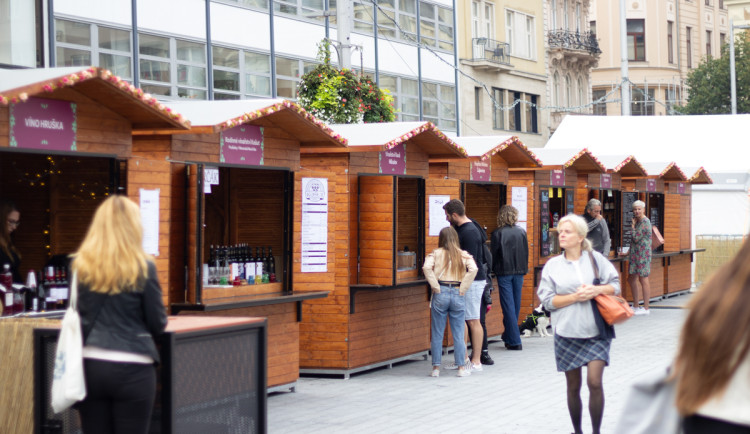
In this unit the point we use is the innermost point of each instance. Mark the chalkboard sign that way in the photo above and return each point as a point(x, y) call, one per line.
point(655, 217)
point(544, 219)
point(627, 217)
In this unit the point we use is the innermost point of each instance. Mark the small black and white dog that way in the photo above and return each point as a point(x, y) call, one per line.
point(537, 321)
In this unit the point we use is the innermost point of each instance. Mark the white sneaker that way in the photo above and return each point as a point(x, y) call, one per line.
point(646, 312)
point(435, 372)
point(463, 372)
point(640, 311)
point(476, 368)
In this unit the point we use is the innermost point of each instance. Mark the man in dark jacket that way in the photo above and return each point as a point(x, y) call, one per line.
point(510, 254)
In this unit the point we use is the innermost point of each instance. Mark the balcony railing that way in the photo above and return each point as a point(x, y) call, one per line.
point(585, 41)
point(490, 49)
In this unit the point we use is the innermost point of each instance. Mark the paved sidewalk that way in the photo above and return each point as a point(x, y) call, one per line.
point(521, 393)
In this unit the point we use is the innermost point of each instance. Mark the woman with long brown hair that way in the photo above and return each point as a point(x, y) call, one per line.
point(119, 300)
point(10, 218)
point(713, 361)
point(449, 271)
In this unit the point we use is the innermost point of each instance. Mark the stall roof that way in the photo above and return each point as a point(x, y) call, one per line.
point(142, 110)
point(581, 160)
point(510, 148)
point(625, 165)
point(666, 171)
point(699, 176)
point(383, 136)
point(716, 142)
point(215, 116)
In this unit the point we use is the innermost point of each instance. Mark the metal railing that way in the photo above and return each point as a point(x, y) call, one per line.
point(585, 41)
point(490, 49)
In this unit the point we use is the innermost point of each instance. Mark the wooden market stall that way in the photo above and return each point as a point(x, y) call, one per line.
point(481, 182)
point(379, 310)
point(560, 188)
point(65, 145)
point(238, 195)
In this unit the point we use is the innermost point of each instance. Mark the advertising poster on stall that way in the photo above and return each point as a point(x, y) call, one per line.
point(314, 225)
point(393, 161)
point(210, 177)
point(606, 180)
point(149, 201)
point(437, 214)
point(557, 177)
point(39, 123)
point(242, 144)
point(544, 219)
point(519, 201)
point(480, 171)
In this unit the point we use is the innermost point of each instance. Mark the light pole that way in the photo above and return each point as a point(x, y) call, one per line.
point(732, 74)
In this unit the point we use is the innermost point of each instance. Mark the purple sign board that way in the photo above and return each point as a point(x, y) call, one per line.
point(557, 177)
point(681, 187)
point(650, 185)
point(393, 161)
point(480, 171)
point(242, 144)
point(48, 124)
point(606, 180)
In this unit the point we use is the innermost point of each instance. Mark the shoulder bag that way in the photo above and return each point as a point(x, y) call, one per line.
point(68, 384)
point(612, 308)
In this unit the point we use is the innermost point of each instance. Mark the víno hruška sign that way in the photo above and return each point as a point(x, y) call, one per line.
point(393, 161)
point(480, 171)
point(48, 124)
point(242, 144)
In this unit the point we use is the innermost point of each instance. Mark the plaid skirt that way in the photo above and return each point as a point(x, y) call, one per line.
point(572, 353)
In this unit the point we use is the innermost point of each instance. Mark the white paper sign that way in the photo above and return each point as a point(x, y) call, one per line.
point(210, 177)
point(314, 225)
point(437, 214)
point(149, 200)
point(519, 200)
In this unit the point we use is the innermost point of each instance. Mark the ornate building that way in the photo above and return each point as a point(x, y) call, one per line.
point(572, 52)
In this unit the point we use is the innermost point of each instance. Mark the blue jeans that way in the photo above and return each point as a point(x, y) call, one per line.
point(448, 304)
point(510, 301)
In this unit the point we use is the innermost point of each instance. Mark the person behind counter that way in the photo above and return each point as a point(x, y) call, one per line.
point(598, 232)
point(450, 272)
point(121, 309)
point(640, 258)
point(567, 289)
point(10, 217)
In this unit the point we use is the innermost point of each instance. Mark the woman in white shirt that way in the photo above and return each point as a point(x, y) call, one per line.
point(713, 360)
point(450, 272)
point(567, 290)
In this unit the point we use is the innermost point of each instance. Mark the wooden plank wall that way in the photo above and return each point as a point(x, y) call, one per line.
point(672, 222)
point(686, 222)
point(283, 338)
point(324, 330)
point(482, 203)
point(679, 273)
point(581, 194)
point(376, 230)
point(406, 212)
point(498, 169)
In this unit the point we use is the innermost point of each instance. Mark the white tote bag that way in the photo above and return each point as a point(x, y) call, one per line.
point(68, 385)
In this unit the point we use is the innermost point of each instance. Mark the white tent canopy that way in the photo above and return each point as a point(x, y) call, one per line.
point(720, 143)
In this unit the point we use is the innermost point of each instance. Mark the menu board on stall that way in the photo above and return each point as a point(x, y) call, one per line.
point(480, 171)
point(569, 203)
point(314, 225)
point(393, 161)
point(48, 124)
point(437, 214)
point(627, 217)
point(242, 144)
point(544, 220)
point(655, 217)
point(519, 202)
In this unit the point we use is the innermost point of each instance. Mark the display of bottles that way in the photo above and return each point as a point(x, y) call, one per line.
point(271, 266)
point(258, 266)
point(6, 280)
point(236, 265)
point(56, 285)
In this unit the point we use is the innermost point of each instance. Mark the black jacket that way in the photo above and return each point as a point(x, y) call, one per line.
point(128, 321)
point(510, 251)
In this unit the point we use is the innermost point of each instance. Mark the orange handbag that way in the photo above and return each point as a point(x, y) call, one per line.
point(656, 238)
point(613, 309)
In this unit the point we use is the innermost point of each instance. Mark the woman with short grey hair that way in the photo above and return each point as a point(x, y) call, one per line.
point(569, 284)
point(639, 258)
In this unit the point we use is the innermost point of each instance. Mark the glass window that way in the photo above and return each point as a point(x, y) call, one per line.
point(73, 57)
point(191, 93)
point(498, 115)
point(514, 116)
point(287, 67)
point(531, 113)
point(520, 34)
point(72, 32)
point(226, 57)
point(568, 92)
point(154, 70)
point(642, 105)
point(191, 51)
point(119, 65)
point(258, 85)
point(670, 42)
point(636, 39)
point(260, 63)
point(581, 94)
point(114, 39)
point(191, 75)
point(689, 46)
point(157, 90)
point(153, 45)
point(600, 108)
point(709, 34)
point(226, 80)
point(556, 90)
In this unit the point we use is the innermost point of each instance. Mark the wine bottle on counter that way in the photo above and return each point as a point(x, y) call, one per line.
point(271, 266)
point(264, 275)
point(249, 266)
point(258, 266)
point(6, 280)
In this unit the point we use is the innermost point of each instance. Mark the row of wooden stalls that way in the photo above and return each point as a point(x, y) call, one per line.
point(349, 211)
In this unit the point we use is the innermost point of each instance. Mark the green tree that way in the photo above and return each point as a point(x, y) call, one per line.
point(340, 96)
point(709, 87)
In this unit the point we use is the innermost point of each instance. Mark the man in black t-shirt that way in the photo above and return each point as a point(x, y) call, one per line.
point(471, 240)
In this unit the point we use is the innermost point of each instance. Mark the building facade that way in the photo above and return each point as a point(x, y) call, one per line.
point(666, 39)
point(502, 60)
point(233, 49)
point(572, 52)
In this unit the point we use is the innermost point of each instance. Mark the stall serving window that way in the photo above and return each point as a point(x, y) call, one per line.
point(483, 201)
point(57, 196)
point(554, 204)
point(390, 229)
point(611, 200)
point(242, 220)
point(655, 213)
